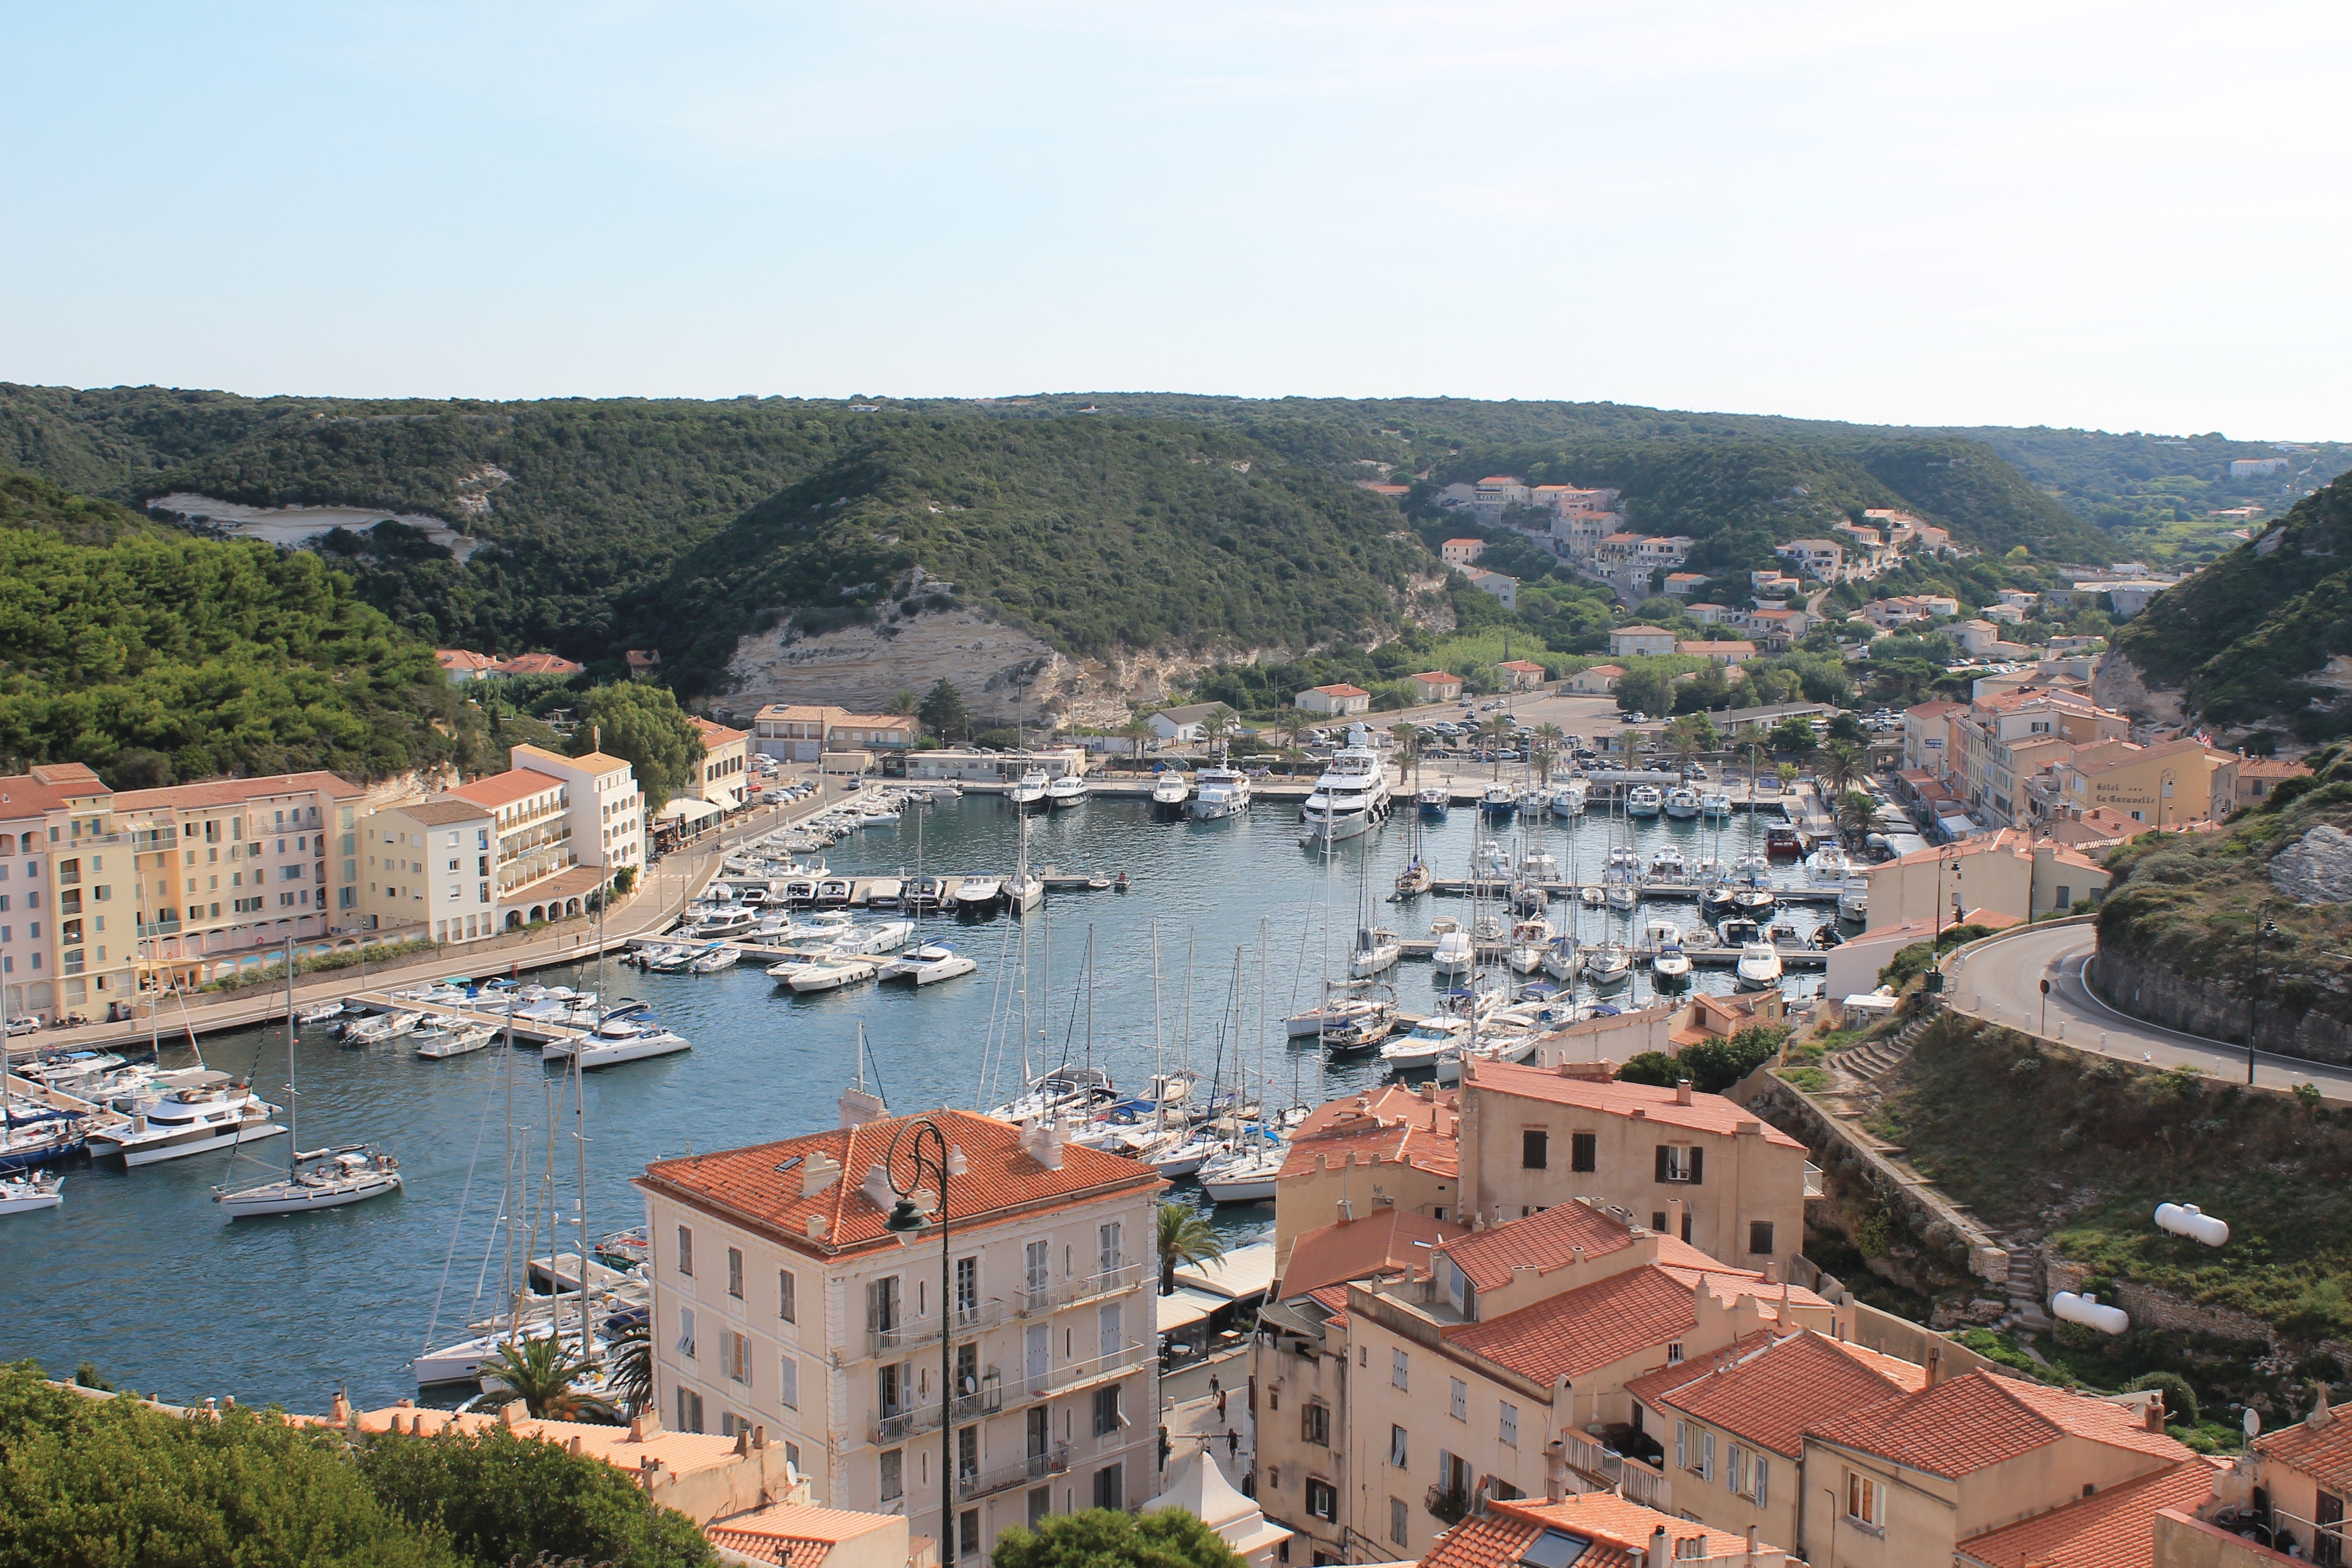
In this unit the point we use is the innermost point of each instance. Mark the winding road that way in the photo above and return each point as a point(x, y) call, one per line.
point(2001, 982)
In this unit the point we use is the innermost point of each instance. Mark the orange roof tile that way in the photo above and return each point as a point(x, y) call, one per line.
point(1548, 1241)
point(1381, 1244)
point(2113, 1528)
point(1616, 1527)
point(1437, 677)
point(1705, 1113)
point(538, 664)
point(1767, 1389)
point(495, 790)
point(795, 1537)
point(715, 735)
point(1341, 689)
point(762, 1187)
point(2323, 1452)
point(1392, 1125)
point(463, 658)
point(1601, 1324)
point(1969, 1423)
point(229, 792)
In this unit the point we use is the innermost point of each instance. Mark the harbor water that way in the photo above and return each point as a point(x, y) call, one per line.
point(139, 1273)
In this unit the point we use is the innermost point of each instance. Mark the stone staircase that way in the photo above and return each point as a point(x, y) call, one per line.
point(2025, 1292)
point(1873, 1059)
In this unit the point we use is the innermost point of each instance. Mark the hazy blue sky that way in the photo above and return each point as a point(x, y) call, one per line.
point(2124, 215)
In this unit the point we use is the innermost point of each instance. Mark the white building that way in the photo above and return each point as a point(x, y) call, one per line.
point(428, 864)
point(780, 1300)
point(608, 810)
point(1186, 725)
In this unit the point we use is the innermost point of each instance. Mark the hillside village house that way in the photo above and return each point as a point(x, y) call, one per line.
point(1708, 613)
point(1928, 736)
point(462, 665)
point(1339, 699)
point(1594, 680)
point(805, 732)
point(1500, 584)
point(1682, 585)
point(1520, 675)
point(1823, 558)
point(782, 1302)
point(1731, 651)
point(1640, 642)
point(725, 755)
point(1185, 725)
point(1461, 551)
point(2252, 778)
point(2000, 740)
point(2000, 871)
point(1435, 686)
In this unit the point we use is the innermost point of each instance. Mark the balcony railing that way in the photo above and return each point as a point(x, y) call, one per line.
point(1071, 1292)
point(1643, 1484)
point(160, 928)
point(1036, 1467)
point(885, 1342)
point(1076, 1373)
point(1813, 1181)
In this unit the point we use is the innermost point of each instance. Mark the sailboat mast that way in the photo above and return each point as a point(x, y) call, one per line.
point(293, 1122)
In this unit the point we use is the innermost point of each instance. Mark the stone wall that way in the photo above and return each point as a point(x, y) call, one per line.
point(2151, 1308)
point(2204, 1004)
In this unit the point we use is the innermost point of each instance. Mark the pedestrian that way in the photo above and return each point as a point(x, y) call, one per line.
point(1214, 1386)
point(1220, 1404)
point(1233, 1444)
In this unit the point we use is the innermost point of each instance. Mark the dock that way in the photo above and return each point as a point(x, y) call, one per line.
point(1688, 892)
point(1796, 955)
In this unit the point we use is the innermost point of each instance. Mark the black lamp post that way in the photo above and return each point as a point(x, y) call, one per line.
point(2264, 929)
point(929, 1153)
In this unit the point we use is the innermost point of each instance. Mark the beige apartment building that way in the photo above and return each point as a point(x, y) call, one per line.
point(428, 866)
point(1389, 1147)
point(782, 1302)
point(805, 732)
point(2003, 871)
point(1693, 1165)
point(725, 758)
point(1999, 742)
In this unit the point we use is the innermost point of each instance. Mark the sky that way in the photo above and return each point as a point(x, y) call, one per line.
point(2119, 215)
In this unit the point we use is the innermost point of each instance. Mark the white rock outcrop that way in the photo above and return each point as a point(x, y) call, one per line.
point(2317, 869)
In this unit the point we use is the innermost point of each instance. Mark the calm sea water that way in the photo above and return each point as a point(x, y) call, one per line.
point(139, 1273)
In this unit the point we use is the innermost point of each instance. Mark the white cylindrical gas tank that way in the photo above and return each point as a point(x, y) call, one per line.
point(2185, 1219)
point(2069, 1308)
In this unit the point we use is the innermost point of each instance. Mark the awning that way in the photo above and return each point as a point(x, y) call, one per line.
point(1184, 1309)
point(1244, 1271)
point(687, 808)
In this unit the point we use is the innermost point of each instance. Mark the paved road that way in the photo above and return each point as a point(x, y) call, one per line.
point(2001, 983)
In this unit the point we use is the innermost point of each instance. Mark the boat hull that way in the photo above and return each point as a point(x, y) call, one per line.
point(290, 1198)
point(612, 1053)
point(156, 1154)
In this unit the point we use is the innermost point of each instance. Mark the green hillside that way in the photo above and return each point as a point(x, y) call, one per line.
point(30, 502)
point(2244, 635)
point(1095, 531)
point(154, 657)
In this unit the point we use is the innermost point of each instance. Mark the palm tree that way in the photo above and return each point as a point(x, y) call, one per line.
point(1408, 745)
point(632, 1370)
point(1216, 725)
point(540, 1372)
point(1689, 735)
point(1841, 764)
point(1548, 738)
point(1185, 1236)
point(1135, 731)
point(1632, 744)
point(1855, 812)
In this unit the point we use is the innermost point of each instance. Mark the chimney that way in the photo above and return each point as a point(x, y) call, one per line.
point(1683, 1091)
point(816, 1227)
point(1579, 1253)
point(818, 1172)
point(1555, 1471)
point(1661, 1550)
point(876, 1189)
point(2156, 1410)
point(1674, 1218)
point(1935, 1364)
point(858, 1108)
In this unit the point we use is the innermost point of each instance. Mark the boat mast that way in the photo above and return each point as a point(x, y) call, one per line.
point(293, 1123)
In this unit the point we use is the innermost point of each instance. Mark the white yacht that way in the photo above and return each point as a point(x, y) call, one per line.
point(628, 1033)
point(1610, 965)
point(1170, 790)
point(1668, 865)
point(211, 1113)
point(979, 895)
point(734, 920)
point(1568, 799)
point(320, 1179)
point(1030, 791)
point(1531, 939)
point(714, 958)
point(1670, 962)
point(1563, 960)
point(1498, 800)
point(1682, 802)
point(1352, 795)
point(1245, 1176)
point(928, 965)
point(449, 1040)
point(32, 1190)
point(1069, 789)
point(1430, 1038)
point(830, 973)
point(1376, 951)
point(379, 1027)
point(1643, 800)
point(1454, 952)
point(1715, 805)
point(1854, 899)
point(1759, 966)
point(1828, 867)
point(1219, 793)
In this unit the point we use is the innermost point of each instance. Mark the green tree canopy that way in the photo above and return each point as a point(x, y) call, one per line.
point(943, 712)
point(1108, 1538)
point(643, 725)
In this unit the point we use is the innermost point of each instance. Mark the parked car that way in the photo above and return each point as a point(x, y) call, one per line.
point(23, 1026)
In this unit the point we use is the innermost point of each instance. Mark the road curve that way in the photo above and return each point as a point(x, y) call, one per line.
point(2001, 983)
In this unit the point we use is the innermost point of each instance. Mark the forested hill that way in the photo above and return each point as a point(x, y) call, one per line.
point(2245, 636)
point(1097, 531)
point(155, 657)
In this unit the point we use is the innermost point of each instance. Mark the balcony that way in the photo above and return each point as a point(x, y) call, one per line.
point(1036, 1467)
point(1814, 1186)
point(1642, 1483)
point(913, 1420)
point(1078, 1375)
point(922, 1330)
point(1075, 1292)
point(159, 927)
point(1447, 1504)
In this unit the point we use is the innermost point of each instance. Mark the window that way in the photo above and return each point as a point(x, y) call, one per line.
point(1315, 1424)
point(1759, 1235)
point(1507, 1424)
point(1107, 1255)
point(1108, 1415)
point(1041, 1506)
point(1735, 1468)
point(1397, 1448)
point(1680, 1163)
point(1707, 1455)
point(1681, 1445)
point(892, 1465)
point(1322, 1500)
point(1865, 1501)
point(1110, 1487)
point(786, 1285)
point(1674, 1352)
point(968, 1533)
point(882, 1304)
point(686, 1332)
point(739, 1357)
point(1583, 1151)
point(1397, 1370)
point(735, 1272)
point(686, 1252)
point(1459, 1405)
point(788, 1384)
point(1398, 1520)
point(1761, 1490)
point(689, 1410)
point(967, 1289)
point(1534, 1149)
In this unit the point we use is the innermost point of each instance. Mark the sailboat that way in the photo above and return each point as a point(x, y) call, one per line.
point(321, 1178)
point(1026, 890)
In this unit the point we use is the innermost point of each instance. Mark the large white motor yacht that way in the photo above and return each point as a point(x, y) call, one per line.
point(928, 965)
point(1352, 797)
point(1220, 793)
point(1759, 966)
point(210, 1113)
point(1170, 790)
point(1030, 791)
point(628, 1033)
point(1070, 789)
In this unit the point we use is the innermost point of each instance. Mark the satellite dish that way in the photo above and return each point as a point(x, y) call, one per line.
point(2253, 1424)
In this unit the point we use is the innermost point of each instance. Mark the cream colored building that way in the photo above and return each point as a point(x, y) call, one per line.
point(2164, 785)
point(427, 864)
point(726, 756)
point(1389, 1147)
point(1339, 699)
point(608, 809)
point(2000, 871)
point(805, 731)
point(781, 1301)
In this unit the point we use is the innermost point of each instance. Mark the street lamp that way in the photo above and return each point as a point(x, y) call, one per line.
point(2264, 928)
point(931, 1154)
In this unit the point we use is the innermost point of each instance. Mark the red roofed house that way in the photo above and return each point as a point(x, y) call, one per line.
point(1435, 686)
point(1594, 680)
point(1945, 1473)
point(1590, 1530)
point(2292, 1486)
point(725, 754)
point(1682, 585)
point(1726, 651)
point(1522, 674)
point(1638, 641)
point(1339, 699)
point(782, 1302)
point(642, 662)
point(463, 663)
point(538, 664)
point(1694, 1164)
point(1461, 551)
point(2000, 871)
point(1389, 1146)
point(798, 1536)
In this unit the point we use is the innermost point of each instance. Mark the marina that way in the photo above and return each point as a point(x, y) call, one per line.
point(1228, 928)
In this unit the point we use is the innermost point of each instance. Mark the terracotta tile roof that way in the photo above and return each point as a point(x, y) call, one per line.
point(538, 664)
point(2323, 1453)
point(29, 794)
point(2272, 767)
point(597, 763)
point(463, 658)
point(1381, 1244)
point(495, 790)
point(1342, 689)
point(1391, 1125)
point(1333, 1298)
point(1437, 678)
point(715, 736)
point(1767, 1389)
point(1616, 1528)
point(2112, 1528)
point(443, 810)
point(999, 1181)
point(1548, 1241)
point(1705, 1113)
point(795, 1537)
point(1970, 1423)
point(1522, 665)
point(1601, 1324)
point(1642, 632)
point(229, 792)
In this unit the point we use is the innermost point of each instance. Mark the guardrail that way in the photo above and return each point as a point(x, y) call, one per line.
point(1072, 1375)
point(1036, 1467)
point(885, 1342)
point(1642, 1483)
point(1074, 1292)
